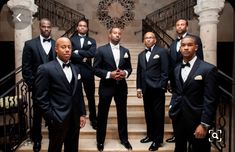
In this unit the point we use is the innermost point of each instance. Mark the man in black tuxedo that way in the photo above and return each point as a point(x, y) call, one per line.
point(113, 65)
point(152, 76)
point(84, 48)
point(194, 100)
point(59, 95)
point(175, 56)
point(37, 51)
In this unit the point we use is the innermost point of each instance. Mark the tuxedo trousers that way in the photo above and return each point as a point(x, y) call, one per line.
point(103, 110)
point(154, 109)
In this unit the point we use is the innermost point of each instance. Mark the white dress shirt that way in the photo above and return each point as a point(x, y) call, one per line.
point(186, 70)
point(67, 70)
point(46, 45)
point(179, 42)
point(82, 39)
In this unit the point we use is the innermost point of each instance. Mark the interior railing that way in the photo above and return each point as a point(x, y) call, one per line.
point(60, 15)
point(223, 122)
point(166, 17)
point(15, 113)
point(164, 39)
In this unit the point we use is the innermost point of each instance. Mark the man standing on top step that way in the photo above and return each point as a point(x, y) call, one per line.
point(113, 65)
point(152, 76)
point(84, 48)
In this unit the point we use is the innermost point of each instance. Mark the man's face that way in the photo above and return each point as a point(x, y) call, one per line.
point(181, 27)
point(115, 35)
point(149, 39)
point(45, 28)
point(82, 27)
point(188, 48)
point(63, 49)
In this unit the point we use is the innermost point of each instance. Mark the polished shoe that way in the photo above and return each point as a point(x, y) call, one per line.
point(171, 140)
point(154, 146)
point(100, 147)
point(126, 144)
point(37, 146)
point(146, 140)
point(94, 124)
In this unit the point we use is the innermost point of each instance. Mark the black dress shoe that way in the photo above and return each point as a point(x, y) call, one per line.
point(154, 146)
point(146, 140)
point(100, 147)
point(171, 139)
point(94, 124)
point(37, 146)
point(126, 144)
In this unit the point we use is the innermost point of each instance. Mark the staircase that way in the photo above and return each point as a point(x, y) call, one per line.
point(136, 121)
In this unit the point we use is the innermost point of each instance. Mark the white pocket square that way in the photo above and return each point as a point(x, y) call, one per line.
point(156, 56)
point(198, 77)
point(75, 51)
point(79, 76)
point(89, 43)
point(126, 55)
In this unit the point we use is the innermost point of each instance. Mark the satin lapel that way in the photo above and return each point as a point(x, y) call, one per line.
point(77, 42)
point(143, 60)
point(110, 54)
point(62, 75)
point(192, 72)
point(53, 48)
point(75, 75)
point(121, 56)
point(177, 78)
point(40, 50)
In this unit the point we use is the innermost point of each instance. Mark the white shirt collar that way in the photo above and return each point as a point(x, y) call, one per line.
point(61, 62)
point(191, 62)
point(114, 46)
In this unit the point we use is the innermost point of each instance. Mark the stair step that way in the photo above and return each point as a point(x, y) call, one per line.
point(111, 145)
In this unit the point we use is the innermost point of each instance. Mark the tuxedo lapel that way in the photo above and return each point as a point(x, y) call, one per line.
point(41, 50)
point(110, 54)
point(192, 73)
point(143, 59)
point(75, 76)
point(62, 75)
point(178, 78)
point(121, 61)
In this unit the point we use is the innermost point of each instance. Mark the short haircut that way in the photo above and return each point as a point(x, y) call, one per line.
point(43, 19)
point(84, 20)
point(182, 19)
point(192, 37)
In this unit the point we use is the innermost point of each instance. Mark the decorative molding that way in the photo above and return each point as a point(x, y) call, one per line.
point(116, 12)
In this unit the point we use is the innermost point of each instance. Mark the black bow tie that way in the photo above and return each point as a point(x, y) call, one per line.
point(146, 50)
point(48, 40)
point(66, 65)
point(183, 65)
point(179, 38)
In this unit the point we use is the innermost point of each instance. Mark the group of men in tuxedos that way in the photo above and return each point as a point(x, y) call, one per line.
point(56, 71)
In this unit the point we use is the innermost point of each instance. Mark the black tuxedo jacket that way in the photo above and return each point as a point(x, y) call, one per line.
point(153, 73)
point(87, 51)
point(196, 98)
point(57, 98)
point(33, 56)
point(104, 62)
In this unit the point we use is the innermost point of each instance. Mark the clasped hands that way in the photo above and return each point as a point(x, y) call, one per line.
point(118, 74)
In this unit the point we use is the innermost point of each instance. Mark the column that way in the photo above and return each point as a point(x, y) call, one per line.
point(208, 18)
point(22, 18)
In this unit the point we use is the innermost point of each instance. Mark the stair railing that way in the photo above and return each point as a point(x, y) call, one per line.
point(164, 39)
point(166, 17)
point(59, 14)
point(15, 113)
